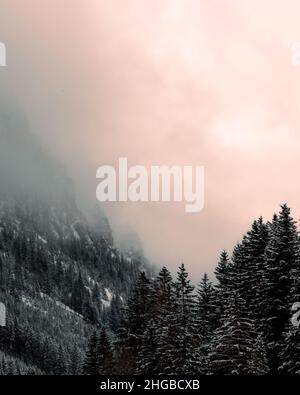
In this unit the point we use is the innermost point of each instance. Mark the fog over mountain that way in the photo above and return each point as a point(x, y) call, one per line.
point(28, 170)
point(61, 276)
point(164, 82)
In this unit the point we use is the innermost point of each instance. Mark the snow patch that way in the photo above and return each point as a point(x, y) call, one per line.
point(75, 233)
point(109, 294)
point(42, 240)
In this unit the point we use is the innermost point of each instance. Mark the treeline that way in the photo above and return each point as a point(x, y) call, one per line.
point(10, 366)
point(42, 251)
point(241, 324)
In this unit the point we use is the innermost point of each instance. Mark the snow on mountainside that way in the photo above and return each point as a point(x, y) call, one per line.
point(60, 276)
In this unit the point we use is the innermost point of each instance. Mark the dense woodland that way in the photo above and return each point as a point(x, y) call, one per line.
point(238, 325)
point(57, 288)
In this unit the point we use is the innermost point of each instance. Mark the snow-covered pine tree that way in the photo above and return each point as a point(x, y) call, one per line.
point(90, 365)
point(104, 353)
point(147, 356)
point(139, 307)
point(61, 367)
point(164, 297)
point(255, 244)
point(206, 321)
point(289, 357)
point(247, 266)
point(185, 338)
point(138, 313)
point(206, 309)
point(222, 273)
point(290, 354)
point(155, 354)
point(75, 361)
point(294, 296)
point(239, 275)
point(235, 347)
point(281, 257)
point(222, 270)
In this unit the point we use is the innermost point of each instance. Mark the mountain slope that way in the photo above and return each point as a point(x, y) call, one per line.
point(60, 277)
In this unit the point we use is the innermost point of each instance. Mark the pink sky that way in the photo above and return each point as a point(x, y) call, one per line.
point(183, 82)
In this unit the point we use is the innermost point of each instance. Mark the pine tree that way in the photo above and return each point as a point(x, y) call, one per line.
point(256, 242)
point(90, 365)
point(164, 302)
point(281, 257)
point(290, 354)
point(78, 295)
point(156, 351)
point(185, 338)
point(235, 347)
point(222, 270)
point(137, 316)
point(239, 276)
point(104, 353)
point(61, 367)
point(222, 273)
point(75, 361)
point(147, 362)
point(206, 319)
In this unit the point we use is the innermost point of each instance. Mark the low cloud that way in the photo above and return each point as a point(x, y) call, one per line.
point(165, 82)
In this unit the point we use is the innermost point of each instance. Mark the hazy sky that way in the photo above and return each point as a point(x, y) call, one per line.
point(185, 82)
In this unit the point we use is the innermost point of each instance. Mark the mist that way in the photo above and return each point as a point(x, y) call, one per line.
point(164, 82)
